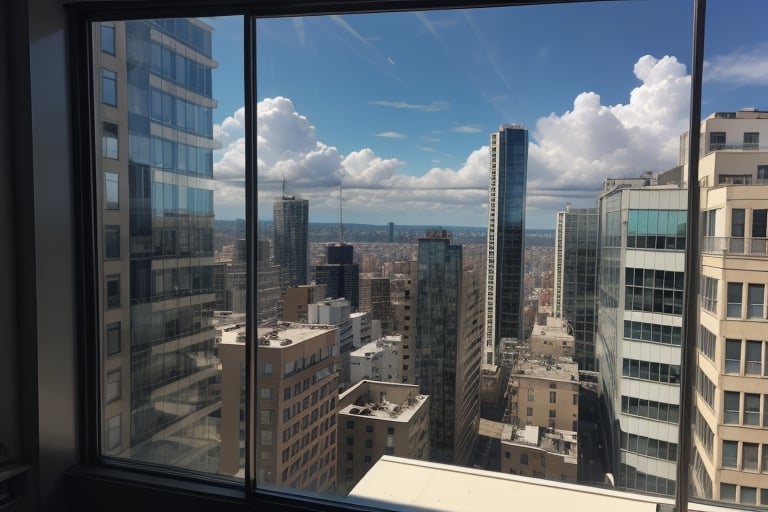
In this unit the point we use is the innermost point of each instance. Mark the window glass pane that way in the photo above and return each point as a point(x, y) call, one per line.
point(173, 371)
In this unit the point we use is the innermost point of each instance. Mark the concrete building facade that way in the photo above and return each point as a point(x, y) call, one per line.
point(540, 452)
point(544, 393)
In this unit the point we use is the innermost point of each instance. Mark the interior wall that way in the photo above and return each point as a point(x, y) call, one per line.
point(9, 386)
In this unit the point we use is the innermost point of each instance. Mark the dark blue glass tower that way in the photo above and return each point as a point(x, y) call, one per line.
point(506, 237)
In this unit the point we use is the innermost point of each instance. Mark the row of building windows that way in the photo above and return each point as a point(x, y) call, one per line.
point(704, 433)
point(667, 334)
point(655, 372)
point(745, 412)
point(707, 342)
point(649, 446)
point(183, 159)
point(744, 357)
point(148, 327)
point(754, 457)
point(708, 294)
point(705, 388)
point(656, 229)
point(746, 495)
point(173, 111)
point(755, 301)
point(654, 291)
point(660, 411)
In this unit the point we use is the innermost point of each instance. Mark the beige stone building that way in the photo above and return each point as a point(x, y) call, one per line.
point(296, 403)
point(540, 452)
point(403, 291)
point(552, 339)
point(296, 301)
point(730, 459)
point(545, 393)
point(379, 418)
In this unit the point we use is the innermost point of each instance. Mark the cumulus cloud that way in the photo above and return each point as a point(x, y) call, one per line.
point(466, 129)
point(569, 154)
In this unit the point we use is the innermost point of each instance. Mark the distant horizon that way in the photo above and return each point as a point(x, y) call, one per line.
point(428, 225)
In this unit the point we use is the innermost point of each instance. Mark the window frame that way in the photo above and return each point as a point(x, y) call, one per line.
point(82, 15)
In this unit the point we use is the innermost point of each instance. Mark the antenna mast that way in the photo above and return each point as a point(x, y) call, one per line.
point(341, 216)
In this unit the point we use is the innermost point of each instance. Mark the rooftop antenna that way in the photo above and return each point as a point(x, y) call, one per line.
point(283, 186)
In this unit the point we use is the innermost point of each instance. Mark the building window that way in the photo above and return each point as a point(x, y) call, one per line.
point(654, 291)
point(751, 140)
point(656, 333)
point(524, 459)
point(709, 294)
point(113, 432)
point(267, 369)
point(749, 457)
point(728, 492)
point(731, 407)
point(266, 438)
point(530, 395)
point(734, 300)
point(656, 372)
point(753, 356)
point(111, 191)
point(732, 356)
point(762, 178)
point(748, 495)
point(107, 38)
point(716, 141)
point(755, 300)
point(113, 291)
point(267, 416)
point(113, 385)
point(529, 411)
point(707, 341)
point(369, 428)
point(113, 338)
point(109, 140)
point(111, 242)
point(552, 397)
point(109, 87)
point(751, 409)
point(369, 443)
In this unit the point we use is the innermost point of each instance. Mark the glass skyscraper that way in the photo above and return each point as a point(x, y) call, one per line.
point(575, 296)
point(161, 398)
point(291, 219)
point(506, 238)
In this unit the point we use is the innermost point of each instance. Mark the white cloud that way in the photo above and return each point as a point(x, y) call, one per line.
point(391, 135)
point(466, 129)
point(743, 67)
point(569, 156)
point(435, 106)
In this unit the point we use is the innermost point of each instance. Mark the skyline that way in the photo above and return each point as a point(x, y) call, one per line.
point(406, 119)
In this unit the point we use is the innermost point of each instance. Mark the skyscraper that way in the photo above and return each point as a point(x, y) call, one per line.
point(506, 237)
point(642, 253)
point(439, 345)
point(576, 278)
point(161, 400)
point(340, 275)
point(291, 250)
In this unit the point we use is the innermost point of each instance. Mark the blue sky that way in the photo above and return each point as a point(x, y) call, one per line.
point(400, 106)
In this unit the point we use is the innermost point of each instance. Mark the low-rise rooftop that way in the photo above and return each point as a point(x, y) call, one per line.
point(382, 408)
point(562, 368)
point(562, 442)
point(287, 333)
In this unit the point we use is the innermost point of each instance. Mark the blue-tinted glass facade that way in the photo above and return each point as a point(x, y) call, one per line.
point(291, 220)
point(171, 222)
point(506, 237)
point(437, 329)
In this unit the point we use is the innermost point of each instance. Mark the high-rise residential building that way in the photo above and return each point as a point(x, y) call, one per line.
point(291, 249)
point(391, 228)
point(375, 419)
point(437, 333)
point(506, 238)
point(340, 275)
point(642, 253)
point(730, 452)
point(404, 292)
point(267, 285)
point(161, 397)
point(575, 290)
point(297, 381)
point(375, 297)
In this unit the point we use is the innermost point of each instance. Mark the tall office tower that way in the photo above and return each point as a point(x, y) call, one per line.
point(161, 396)
point(340, 275)
point(438, 328)
point(404, 292)
point(730, 454)
point(375, 297)
point(291, 224)
point(642, 255)
point(267, 285)
point(391, 238)
point(506, 238)
point(297, 375)
point(575, 290)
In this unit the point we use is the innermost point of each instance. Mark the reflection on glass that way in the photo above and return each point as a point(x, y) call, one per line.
point(162, 369)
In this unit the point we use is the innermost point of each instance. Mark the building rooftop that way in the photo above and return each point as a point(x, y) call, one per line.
point(562, 368)
point(287, 333)
point(562, 442)
point(374, 347)
point(555, 328)
point(382, 409)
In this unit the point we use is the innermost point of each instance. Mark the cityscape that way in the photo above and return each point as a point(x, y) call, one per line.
point(544, 353)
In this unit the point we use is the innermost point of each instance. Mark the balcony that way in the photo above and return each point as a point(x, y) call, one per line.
point(748, 146)
point(735, 245)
